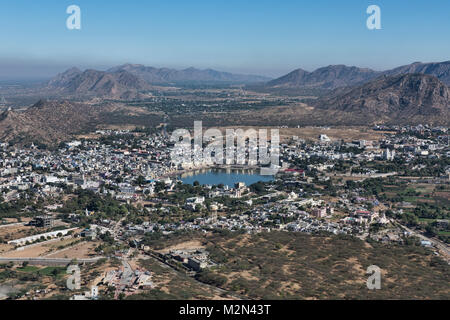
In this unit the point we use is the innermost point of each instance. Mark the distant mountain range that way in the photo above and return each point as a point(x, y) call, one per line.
point(339, 76)
point(164, 75)
point(330, 77)
point(117, 84)
point(396, 99)
point(130, 79)
point(416, 93)
point(399, 99)
point(440, 70)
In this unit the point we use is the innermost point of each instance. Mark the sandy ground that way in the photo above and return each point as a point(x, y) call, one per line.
point(195, 244)
point(31, 252)
point(134, 263)
point(5, 248)
point(80, 251)
point(9, 233)
point(342, 133)
point(312, 133)
point(38, 250)
point(14, 220)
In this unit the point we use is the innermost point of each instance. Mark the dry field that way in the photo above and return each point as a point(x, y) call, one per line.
point(194, 244)
point(51, 249)
point(82, 250)
point(8, 233)
point(37, 250)
point(312, 133)
point(5, 248)
point(13, 220)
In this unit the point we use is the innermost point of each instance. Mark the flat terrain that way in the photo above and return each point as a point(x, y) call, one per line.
point(82, 250)
point(313, 133)
point(38, 250)
point(195, 244)
point(8, 233)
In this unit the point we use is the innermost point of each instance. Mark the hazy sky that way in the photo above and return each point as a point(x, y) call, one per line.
point(246, 36)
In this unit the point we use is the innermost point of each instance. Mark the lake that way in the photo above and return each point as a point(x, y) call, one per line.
point(227, 177)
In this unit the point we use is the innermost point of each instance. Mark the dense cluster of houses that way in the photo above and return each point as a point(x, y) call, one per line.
point(113, 167)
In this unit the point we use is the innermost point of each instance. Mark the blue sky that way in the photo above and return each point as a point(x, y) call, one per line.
point(246, 36)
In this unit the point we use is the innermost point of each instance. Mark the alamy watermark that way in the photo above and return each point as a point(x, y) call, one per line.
point(374, 20)
point(73, 22)
point(247, 148)
point(374, 280)
point(74, 280)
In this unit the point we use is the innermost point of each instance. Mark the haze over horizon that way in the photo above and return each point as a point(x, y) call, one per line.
point(269, 38)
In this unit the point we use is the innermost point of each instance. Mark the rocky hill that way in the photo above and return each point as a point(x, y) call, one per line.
point(47, 122)
point(397, 99)
point(50, 122)
point(117, 84)
point(340, 76)
point(330, 77)
point(440, 70)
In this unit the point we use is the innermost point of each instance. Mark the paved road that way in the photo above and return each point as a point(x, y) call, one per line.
point(127, 275)
point(116, 228)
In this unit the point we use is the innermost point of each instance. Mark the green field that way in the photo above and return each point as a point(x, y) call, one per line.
point(28, 269)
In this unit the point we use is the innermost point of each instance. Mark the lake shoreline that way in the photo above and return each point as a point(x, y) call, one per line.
point(226, 176)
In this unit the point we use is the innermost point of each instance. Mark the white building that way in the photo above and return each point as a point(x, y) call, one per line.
point(324, 138)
